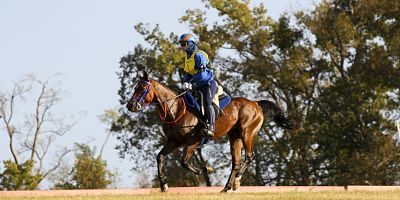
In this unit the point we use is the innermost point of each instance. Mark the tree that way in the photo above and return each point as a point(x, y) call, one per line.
point(35, 136)
point(19, 177)
point(233, 34)
point(271, 57)
point(358, 85)
point(336, 71)
point(333, 87)
point(88, 172)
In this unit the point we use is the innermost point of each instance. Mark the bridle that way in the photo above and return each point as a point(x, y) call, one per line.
point(140, 100)
point(140, 104)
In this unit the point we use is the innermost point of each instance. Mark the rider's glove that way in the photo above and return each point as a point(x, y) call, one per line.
point(187, 86)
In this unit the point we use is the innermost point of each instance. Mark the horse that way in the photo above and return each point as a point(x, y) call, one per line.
point(241, 120)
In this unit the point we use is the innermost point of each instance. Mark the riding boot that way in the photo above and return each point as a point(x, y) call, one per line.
point(210, 130)
point(210, 114)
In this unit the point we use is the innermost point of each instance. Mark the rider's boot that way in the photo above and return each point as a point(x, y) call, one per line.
point(210, 130)
point(210, 114)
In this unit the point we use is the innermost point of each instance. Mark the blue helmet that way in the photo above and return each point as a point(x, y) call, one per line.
point(187, 37)
point(188, 42)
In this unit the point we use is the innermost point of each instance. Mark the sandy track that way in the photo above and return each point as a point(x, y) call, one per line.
point(243, 189)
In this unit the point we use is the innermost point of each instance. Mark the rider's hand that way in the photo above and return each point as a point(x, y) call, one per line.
point(187, 86)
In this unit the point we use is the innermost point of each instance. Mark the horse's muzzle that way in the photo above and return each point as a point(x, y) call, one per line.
point(134, 106)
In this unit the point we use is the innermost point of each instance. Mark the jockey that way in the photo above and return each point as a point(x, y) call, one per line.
point(199, 77)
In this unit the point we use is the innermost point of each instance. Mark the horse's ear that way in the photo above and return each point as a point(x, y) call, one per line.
point(145, 76)
point(138, 75)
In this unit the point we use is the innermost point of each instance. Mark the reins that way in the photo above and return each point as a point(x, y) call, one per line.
point(164, 119)
point(166, 109)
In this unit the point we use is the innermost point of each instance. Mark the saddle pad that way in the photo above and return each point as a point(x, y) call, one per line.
point(192, 103)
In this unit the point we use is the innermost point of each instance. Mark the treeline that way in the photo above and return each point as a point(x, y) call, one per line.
point(334, 69)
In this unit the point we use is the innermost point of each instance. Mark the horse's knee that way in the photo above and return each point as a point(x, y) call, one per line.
point(160, 158)
point(235, 166)
point(185, 163)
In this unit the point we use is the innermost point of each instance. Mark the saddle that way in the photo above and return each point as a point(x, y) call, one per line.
point(194, 102)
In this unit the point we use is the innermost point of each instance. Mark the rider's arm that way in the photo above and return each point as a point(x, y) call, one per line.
point(200, 61)
point(187, 77)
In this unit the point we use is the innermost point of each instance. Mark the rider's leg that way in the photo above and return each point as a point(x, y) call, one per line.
point(209, 92)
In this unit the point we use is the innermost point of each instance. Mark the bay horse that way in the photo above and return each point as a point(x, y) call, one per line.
point(241, 121)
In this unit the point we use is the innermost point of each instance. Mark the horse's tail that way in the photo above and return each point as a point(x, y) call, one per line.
point(274, 112)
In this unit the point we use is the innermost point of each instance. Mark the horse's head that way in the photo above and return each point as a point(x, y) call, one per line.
point(143, 94)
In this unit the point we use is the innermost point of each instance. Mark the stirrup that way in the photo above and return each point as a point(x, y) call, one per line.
point(208, 133)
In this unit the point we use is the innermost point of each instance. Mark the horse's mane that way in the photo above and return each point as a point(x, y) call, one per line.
point(167, 88)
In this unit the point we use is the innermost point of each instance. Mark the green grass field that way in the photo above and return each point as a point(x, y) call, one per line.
point(393, 195)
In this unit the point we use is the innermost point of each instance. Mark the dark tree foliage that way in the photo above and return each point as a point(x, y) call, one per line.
point(335, 70)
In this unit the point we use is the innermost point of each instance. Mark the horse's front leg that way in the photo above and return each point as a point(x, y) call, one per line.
point(187, 154)
point(168, 148)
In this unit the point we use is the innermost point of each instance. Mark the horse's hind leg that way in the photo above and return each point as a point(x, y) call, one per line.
point(242, 168)
point(168, 148)
point(236, 148)
point(247, 137)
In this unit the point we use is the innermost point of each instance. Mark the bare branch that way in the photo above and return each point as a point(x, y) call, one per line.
point(38, 120)
point(60, 159)
point(46, 100)
point(18, 91)
point(104, 144)
point(40, 128)
point(45, 148)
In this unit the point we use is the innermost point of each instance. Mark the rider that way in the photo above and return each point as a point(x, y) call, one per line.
point(199, 76)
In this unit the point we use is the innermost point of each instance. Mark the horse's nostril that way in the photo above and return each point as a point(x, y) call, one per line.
point(129, 106)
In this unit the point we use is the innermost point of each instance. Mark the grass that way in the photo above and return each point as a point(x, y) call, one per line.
point(233, 196)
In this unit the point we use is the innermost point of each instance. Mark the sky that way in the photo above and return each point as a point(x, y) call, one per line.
point(84, 40)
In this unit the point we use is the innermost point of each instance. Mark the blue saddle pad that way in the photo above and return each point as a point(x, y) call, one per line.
point(224, 101)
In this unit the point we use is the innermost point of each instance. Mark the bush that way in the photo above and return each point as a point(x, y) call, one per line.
point(88, 171)
point(19, 177)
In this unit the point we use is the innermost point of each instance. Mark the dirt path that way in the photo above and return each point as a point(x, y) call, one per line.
point(192, 190)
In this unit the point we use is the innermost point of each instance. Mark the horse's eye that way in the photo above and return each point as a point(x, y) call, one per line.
point(138, 87)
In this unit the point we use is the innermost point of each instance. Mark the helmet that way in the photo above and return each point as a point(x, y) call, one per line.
point(187, 42)
point(187, 37)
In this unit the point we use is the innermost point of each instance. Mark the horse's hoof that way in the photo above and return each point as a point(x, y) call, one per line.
point(236, 184)
point(164, 188)
point(209, 169)
point(225, 190)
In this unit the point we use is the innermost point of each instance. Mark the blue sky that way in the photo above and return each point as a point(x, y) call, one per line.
point(84, 40)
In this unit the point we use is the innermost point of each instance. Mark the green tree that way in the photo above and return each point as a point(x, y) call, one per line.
point(336, 71)
point(358, 72)
point(336, 87)
point(19, 177)
point(88, 172)
point(275, 57)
